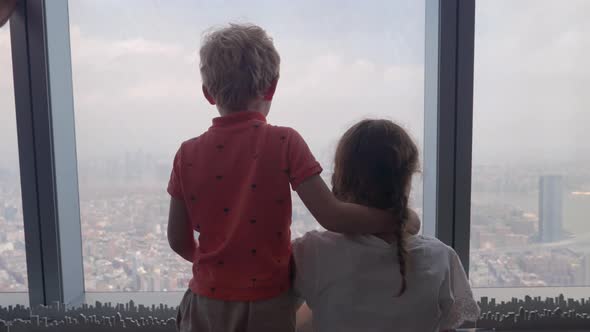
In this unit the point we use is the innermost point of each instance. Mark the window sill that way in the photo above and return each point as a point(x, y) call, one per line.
point(507, 293)
point(145, 298)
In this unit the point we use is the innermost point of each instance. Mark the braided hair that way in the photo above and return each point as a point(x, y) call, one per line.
point(373, 166)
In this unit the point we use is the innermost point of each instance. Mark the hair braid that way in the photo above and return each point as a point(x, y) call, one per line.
point(402, 252)
point(373, 166)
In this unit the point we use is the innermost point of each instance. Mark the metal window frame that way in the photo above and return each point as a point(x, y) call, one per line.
point(47, 143)
point(448, 126)
point(47, 151)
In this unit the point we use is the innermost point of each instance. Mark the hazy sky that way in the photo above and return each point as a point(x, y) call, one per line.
point(137, 86)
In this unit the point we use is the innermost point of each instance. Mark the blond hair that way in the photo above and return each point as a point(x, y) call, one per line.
point(238, 63)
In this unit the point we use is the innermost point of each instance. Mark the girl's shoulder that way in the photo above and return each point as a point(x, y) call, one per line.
point(426, 249)
point(430, 249)
point(318, 238)
point(423, 241)
point(320, 245)
point(418, 243)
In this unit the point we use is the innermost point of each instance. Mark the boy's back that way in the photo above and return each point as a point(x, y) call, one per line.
point(235, 182)
point(231, 184)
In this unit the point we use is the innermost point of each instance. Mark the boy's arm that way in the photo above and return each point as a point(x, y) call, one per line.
point(337, 216)
point(412, 225)
point(331, 213)
point(180, 230)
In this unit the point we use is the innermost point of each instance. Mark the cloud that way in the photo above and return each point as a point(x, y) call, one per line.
point(120, 72)
point(532, 59)
point(164, 89)
point(532, 62)
point(148, 86)
point(533, 37)
point(86, 48)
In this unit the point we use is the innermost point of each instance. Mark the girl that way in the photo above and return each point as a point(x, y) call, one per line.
point(386, 282)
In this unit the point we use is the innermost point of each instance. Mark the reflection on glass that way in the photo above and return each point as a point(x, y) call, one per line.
point(531, 164)
point(13, 265)
point(137, 97)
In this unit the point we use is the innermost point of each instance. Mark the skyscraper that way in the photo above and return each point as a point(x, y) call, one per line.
point(550, 208)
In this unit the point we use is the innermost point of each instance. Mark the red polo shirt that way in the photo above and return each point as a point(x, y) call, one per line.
point(234, 180)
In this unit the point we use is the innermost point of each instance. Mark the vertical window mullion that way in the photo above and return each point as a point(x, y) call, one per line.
point(45, 122)
point(448, 121)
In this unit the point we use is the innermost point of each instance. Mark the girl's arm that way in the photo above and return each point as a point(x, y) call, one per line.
point(456, 301)
point(304, 319)
point(306, 281)
point(180, 230)
point(341, 217)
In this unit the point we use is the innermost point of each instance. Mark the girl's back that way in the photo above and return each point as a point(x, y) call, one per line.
point(351, 283)
point(363, 283)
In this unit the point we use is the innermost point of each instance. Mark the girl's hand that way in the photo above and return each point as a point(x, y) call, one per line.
point(413, 223)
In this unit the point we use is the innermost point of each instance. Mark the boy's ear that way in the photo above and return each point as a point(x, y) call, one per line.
point(271, 90)
point(208, 95)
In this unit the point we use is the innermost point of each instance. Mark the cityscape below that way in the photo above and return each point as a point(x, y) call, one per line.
point(519, 313)
point(529, 228)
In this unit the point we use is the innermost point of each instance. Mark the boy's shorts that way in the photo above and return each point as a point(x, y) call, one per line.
point(202, 314)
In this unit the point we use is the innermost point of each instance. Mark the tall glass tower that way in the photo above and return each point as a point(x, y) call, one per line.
point(550, 208)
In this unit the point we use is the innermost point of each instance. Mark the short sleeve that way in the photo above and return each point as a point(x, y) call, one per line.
point(456, 298)
point(305, 280)
point(301, 162)
point(174, 184)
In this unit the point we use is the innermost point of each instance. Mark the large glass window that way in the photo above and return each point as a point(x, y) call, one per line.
point(531, 149)
point(13, 265)
point(137, 97)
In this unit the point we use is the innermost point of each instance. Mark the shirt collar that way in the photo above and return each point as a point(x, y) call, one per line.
point(237, 118)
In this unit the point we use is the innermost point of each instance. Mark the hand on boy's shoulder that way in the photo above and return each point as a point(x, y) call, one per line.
point(413, 224)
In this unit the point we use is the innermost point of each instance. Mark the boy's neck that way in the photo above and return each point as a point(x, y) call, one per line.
point(260, 106)
point(226, 113)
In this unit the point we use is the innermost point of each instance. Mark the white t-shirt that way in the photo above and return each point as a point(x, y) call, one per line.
point(351, 283)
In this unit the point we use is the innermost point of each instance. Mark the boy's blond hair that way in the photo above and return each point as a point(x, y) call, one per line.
point(238, 64)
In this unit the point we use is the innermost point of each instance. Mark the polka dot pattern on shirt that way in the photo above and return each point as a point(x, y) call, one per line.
point(253, 186)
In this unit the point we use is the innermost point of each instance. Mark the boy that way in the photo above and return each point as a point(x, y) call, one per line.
point(231, 184)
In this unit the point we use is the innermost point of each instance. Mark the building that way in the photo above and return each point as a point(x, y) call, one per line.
point(10, 213)
point(550, 208)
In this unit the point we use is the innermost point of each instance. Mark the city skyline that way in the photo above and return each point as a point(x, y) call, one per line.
point(134, 255)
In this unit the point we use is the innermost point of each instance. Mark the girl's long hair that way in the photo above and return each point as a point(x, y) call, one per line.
point(373, 166)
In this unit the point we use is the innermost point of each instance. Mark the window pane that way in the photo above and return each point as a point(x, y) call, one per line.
point(531, 164)
point(137, 97)
point(13, 264)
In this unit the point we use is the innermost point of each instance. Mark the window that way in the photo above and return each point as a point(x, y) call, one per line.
point(137, 97)
point(531, 165)
point(13, 265)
